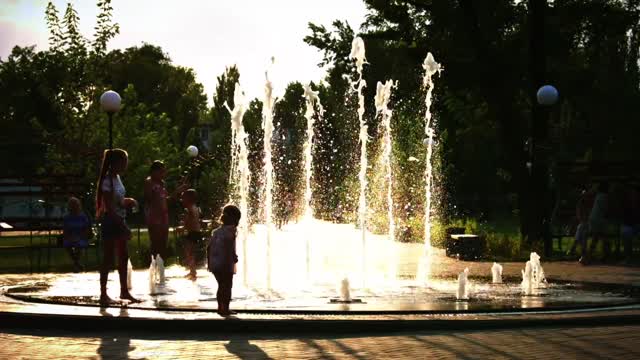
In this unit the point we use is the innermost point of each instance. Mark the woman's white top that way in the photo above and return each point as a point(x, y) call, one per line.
point(119, 193)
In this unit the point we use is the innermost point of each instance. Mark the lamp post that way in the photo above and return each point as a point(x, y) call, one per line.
point(537, 219)
point(110, 102)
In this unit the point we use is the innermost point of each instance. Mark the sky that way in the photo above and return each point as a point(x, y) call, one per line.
point(205, 35)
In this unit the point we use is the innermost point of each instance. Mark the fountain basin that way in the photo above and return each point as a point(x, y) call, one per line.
point(404, 297)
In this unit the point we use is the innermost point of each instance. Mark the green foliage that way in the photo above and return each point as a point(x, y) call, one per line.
point(483, 99)
point(105, 29)
point(288, 159)
point(52, 113)
point(482, 104)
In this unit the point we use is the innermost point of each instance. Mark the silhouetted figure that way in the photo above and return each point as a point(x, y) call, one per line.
point(583, 210)
point(222, 257)
point(598, 222)
point(111, 209)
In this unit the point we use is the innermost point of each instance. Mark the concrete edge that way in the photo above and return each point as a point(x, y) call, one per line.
point(12, 320)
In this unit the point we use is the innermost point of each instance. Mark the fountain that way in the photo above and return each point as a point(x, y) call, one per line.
point(160, 275)
point(152, 276)
point(462, 292)
point(129, 272)
point(345, 292)
point(339, 251)
point(268, 104)
point(383, 94)
point(357, 53)
point(431, 67)
point(240, 173)
point(537, 271)
point(527, 279)
point(496, 273)
point(532, 275)
point(311, 100)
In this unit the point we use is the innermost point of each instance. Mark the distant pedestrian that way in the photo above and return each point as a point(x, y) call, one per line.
point(76, 230)
point(111, 210)
point(598, 222)
point(630, 224)
point(583, 210)
point(222, 257)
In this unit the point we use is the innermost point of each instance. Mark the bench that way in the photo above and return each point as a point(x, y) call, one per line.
point(34, 207)
point(463, 246)
point(44, 236)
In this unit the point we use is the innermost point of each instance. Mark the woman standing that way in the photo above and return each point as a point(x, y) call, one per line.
point(156, 210)
point(111, 210)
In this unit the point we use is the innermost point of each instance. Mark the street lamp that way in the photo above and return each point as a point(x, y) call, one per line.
point(547, 95)
point(192, 151)
point(110, 102)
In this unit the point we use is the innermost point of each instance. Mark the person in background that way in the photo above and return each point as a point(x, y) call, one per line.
point(192, 235)
point(630, 225)
point(598, 222)
point(76, 229)
point(156, 210)
point(583, 209)
point(222, 257)
point(111, 210)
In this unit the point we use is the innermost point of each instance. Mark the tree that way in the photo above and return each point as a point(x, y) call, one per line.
point(287, 153)
point(484, 99)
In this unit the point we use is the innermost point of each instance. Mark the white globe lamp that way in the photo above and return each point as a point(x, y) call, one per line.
point(110, 101)
point(547, 95)
point(192, 151)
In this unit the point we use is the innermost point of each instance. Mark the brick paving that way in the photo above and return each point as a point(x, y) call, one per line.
point(618, 342)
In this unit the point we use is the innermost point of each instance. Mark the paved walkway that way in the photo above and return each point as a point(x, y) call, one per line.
point(552, 343)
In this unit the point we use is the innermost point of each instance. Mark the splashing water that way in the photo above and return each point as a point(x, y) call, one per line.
point(532, 275)
point(240, 173)
point(268, 104)
point(431, 67)
point(383, 93)
point(357, 53)
point(537, 271)
point(311, 99)
point(129, 272)
point(160, 277)
point(345, 291)
point(496, 273)
point(152, 276)
point(527, 279)
point(462, 292)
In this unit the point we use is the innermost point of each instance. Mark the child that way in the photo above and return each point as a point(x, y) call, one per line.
point(193, 235)
point(156, 209)
point(76, 228)
point(222, 258)
point(111, 209)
